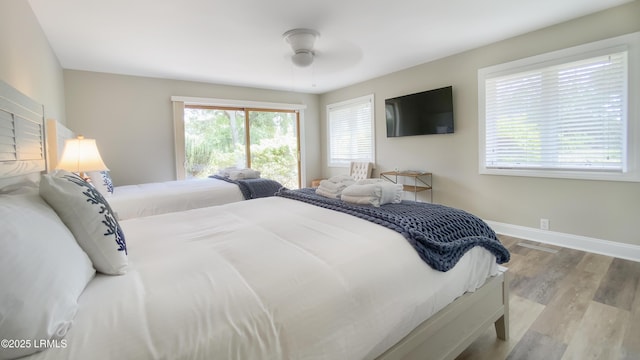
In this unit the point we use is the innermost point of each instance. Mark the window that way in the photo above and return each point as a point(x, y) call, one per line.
point(211, 134)
point(350, 131)
point(214, 138)
point(563, 114)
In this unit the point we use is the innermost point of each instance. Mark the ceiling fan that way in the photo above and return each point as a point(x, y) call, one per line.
point(301, 42)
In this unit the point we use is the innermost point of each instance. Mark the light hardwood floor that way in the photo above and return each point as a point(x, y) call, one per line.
point(566, 304)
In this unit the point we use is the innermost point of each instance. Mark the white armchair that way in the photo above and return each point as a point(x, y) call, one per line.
point(360, 170)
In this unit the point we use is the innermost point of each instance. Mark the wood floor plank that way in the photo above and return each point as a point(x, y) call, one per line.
point(600, 334)
point(620, 284)
point(529, 263)
point(563, 314)
point(569, 305)
point(631, 342)
point(543, 286)
point(595, 263)
point(534, 346)
point(548, 246)
point(508, 241)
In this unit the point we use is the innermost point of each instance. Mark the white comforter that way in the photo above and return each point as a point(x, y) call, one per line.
point(270, 278)
point(132, 201)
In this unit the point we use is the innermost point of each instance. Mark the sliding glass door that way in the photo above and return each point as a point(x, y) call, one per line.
point(264, 140)
point(274, 145)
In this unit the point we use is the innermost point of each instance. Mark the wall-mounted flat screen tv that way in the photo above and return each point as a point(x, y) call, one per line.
point(427, 112)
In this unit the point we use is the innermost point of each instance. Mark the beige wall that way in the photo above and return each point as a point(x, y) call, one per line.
point(597, 209)
point(131, 119)
point(27, 62)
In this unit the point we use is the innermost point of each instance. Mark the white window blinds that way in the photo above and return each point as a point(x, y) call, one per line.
point(569, 116)
point(350, 130)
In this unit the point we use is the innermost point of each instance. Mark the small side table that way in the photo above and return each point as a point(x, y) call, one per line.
point(422, 181)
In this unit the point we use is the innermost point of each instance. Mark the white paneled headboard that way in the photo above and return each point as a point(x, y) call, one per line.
point(57, 134)
point(22, 141)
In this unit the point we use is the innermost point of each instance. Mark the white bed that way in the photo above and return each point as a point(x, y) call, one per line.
point(131, 201)
point(274, 278)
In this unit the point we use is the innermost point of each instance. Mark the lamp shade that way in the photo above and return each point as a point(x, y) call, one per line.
point(81, 155)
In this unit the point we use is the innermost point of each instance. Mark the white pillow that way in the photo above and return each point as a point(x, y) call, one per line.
point(101, 180)
point(22, 184)
point(89, 217)
point(43, 271)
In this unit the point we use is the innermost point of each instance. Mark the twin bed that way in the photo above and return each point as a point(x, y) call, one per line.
point(132, 201)
point(270, 278)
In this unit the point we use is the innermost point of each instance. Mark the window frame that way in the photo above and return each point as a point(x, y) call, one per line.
point(331, 162)
point(179, 103)
point(631, 145)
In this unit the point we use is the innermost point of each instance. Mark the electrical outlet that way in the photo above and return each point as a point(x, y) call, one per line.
point(544, 224)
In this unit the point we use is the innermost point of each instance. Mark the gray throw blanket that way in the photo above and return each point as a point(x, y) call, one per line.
point(441, 235)
point(253, 188)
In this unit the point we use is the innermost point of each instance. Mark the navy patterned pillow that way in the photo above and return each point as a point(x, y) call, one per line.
point(101, 180)
point(89, 217)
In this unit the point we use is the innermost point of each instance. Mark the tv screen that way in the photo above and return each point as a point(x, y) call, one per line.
point(427, 112)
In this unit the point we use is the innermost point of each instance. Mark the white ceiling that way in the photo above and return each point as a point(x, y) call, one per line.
point(239, 42)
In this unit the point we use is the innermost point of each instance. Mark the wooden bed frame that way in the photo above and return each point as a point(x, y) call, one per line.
point(451, 330)
point(443, 336)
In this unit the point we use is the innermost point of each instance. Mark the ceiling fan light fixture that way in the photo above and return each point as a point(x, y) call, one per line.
point(302, 58)
point(301, 42)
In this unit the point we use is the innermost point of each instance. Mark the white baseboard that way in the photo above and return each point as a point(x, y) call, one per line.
point(593, 245)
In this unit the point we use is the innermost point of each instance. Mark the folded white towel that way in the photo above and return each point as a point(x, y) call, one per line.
point(361, 200)
point(335, 186)
point(341, 178)
point(327, 193)
point(391, 193)
point(376, 193)
point(370, 181)
point(363, 190)
point(244, 174)
point(226, 171)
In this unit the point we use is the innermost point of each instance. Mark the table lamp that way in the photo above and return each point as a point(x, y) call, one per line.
point(80, 156)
